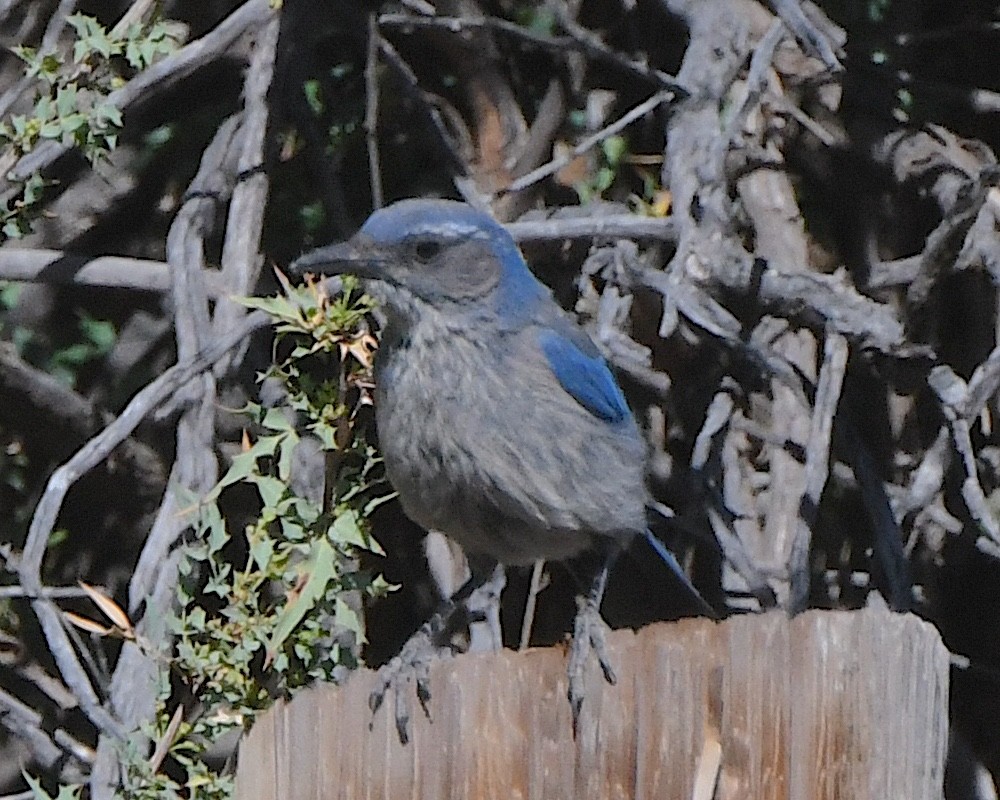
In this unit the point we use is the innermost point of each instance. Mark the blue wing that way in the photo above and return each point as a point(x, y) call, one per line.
point(582, 372)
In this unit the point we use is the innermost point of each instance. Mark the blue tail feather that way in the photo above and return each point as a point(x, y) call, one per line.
point(670, 560)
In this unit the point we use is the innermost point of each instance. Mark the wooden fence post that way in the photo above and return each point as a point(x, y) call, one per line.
point(824, 706)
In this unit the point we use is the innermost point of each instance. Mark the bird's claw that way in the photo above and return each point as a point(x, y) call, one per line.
point(411, 666)
point(588, 636)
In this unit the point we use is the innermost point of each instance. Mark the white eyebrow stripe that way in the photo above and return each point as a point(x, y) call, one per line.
point(450, 229)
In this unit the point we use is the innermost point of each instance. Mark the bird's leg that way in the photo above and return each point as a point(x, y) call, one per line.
point(589, 635)
point(435, 639)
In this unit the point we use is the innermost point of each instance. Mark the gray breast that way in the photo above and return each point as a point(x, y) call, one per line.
point(481, 449)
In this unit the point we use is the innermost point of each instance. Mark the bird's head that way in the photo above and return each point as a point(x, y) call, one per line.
point(440, 253)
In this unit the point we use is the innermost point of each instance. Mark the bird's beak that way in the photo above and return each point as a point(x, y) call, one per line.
point(352, 257)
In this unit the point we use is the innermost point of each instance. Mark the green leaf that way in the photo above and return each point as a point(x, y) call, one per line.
point(66, 99)
point(79, 23)
point(262, 551)
point(80, 51)
point(66, 792)
point(133, 55)
point(349, 528)
point(216, 527)
point(44, 109)
point(276, 419)
point(100, 332)
point(275, 306)
point(36, 787)
point(286, 454)
point(245, 464)
point(271, 489)
point(26, 54)
point(107, 113)
point(313, 93)
point(321, 568)
point(51, 130)
point(218, 583)
point(347, 617)
point(615, 148)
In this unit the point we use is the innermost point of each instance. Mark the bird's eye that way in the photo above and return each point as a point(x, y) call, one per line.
point(426, 250)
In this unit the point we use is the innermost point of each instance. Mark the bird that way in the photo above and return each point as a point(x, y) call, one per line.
point(500, 423)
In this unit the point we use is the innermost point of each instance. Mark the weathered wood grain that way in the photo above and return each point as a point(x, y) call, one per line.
point(826, 705)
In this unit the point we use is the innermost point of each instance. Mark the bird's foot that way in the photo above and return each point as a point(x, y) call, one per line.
point(589, 630)
point(432, 641)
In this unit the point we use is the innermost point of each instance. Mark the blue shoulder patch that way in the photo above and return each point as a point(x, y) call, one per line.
point(582, 372)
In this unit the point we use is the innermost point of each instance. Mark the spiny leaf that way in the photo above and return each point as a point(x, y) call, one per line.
point(320, 569)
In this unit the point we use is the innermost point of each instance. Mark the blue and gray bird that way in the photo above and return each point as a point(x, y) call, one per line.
point(500, 423)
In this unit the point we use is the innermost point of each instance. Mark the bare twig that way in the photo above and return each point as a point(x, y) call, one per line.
point(419, 6)
point(53, 592)
point(830, 300)
point(741, 560)
point(50, 686)
point(617, 226)
point(941, 160)
point(817, 469)
point(43, 394)
point(97, 449)
point(371, 113)
point(56, 24)
point(145, 275)
point(707, 313)
point(28, 725)
point(783, 105)
point(135, 13)
point(814, 41)
point(427, 104)
point(729, 507)
point(899, 272)
point(944, 243)
point(57, 638)
point(536, 586)
point(537, 143)
point(926, 480)
point(618, 125)
point(592, 45)
point(717, 417)
point(7, 6)
point(63, 419)
point(760, 65)
point(953, 394)
point(984, 384)
point(579, 39)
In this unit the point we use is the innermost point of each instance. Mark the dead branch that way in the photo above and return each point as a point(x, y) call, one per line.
point(69, 269)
